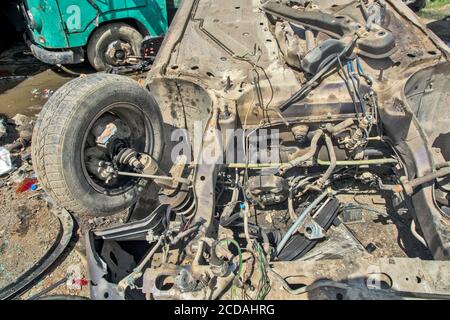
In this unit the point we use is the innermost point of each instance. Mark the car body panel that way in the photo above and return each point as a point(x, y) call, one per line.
point(63, 24)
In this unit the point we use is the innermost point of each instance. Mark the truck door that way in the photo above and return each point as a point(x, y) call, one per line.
point(81, 17)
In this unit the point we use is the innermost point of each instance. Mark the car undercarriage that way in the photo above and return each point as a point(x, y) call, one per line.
point(267, 119)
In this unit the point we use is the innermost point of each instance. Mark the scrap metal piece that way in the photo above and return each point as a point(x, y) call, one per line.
point(137, 230)
point(299, 245)
point(368, 278)
point(378, 43)
point(352, 215)
point(301, 220)
point(312, 230)
point(267, 190)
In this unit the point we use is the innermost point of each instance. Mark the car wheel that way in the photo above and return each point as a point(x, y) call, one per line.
point(65, 144)
point(112, 45)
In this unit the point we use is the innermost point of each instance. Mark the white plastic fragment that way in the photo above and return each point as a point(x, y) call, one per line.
point(2, 129)
point(5, 161)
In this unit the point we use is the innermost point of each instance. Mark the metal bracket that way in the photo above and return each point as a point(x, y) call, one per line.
point(311, 229)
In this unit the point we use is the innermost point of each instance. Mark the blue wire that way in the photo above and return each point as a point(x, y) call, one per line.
point(349, 67)
point(360, 69)
point(355, 76)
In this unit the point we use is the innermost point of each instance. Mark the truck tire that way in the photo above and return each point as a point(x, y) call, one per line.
point(111, 44)
point(61, 137)
point(417, 5)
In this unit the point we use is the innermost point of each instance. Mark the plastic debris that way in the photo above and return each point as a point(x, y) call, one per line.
point(42, 94)
point(21, 120)
point(26, 185)
point(18, 176)
point(2, 128)
point(5, 161)
point(97, 221)
point(24, 125)
point(80, 282)
point(371, 248)
point(35, 92)
point(48, 93)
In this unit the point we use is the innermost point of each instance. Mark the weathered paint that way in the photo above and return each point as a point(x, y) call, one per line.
point(69, 23)
point(49, 31)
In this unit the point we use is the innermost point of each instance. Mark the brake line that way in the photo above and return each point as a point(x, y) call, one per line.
point(308, 86)
point(341, 163)
point(300, 219)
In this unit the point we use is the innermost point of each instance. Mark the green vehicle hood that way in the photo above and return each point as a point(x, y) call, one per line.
point(49, 29)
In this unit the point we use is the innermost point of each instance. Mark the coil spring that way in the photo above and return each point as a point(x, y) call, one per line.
point(182, 202)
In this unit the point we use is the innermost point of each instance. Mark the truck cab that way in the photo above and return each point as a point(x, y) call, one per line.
point(108, 32)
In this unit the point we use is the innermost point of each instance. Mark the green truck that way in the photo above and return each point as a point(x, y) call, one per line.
point(108, 32)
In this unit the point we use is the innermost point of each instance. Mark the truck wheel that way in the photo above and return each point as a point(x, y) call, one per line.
point(112, 45)
point(79, 127)
point(417, 5)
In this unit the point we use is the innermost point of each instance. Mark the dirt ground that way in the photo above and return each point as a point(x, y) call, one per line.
point(383, 230)
point(28, 227)
point(435, 10)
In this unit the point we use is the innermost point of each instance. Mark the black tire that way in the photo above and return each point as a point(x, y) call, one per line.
point(107, 34)
point(60, 134)
point(442, 29)
point(418, 5)
point(64, 298)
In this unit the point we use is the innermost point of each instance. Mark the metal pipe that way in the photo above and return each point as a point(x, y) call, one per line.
point(291, 209)
point(246, 212)
point(339, 127)
point(184, 234)
point(310, 39)
point(137, 272)
point(229, 208)
point(429, 177)
point(147, 258)
point(300, 220)
point(253, 165)
point(307, 86)
point(154, 177)
point(443, 165)
point(409, 186)
point(311, 152)
point(319, 162)
point(333, 160)
point(358, 162)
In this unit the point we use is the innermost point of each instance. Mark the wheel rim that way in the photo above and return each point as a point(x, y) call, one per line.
point(141, 139)
point(118, 52)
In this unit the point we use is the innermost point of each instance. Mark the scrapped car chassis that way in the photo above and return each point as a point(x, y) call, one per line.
point(349, 89)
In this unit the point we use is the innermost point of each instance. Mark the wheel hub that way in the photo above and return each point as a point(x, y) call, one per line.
point(104, 151)
point(118, 53)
